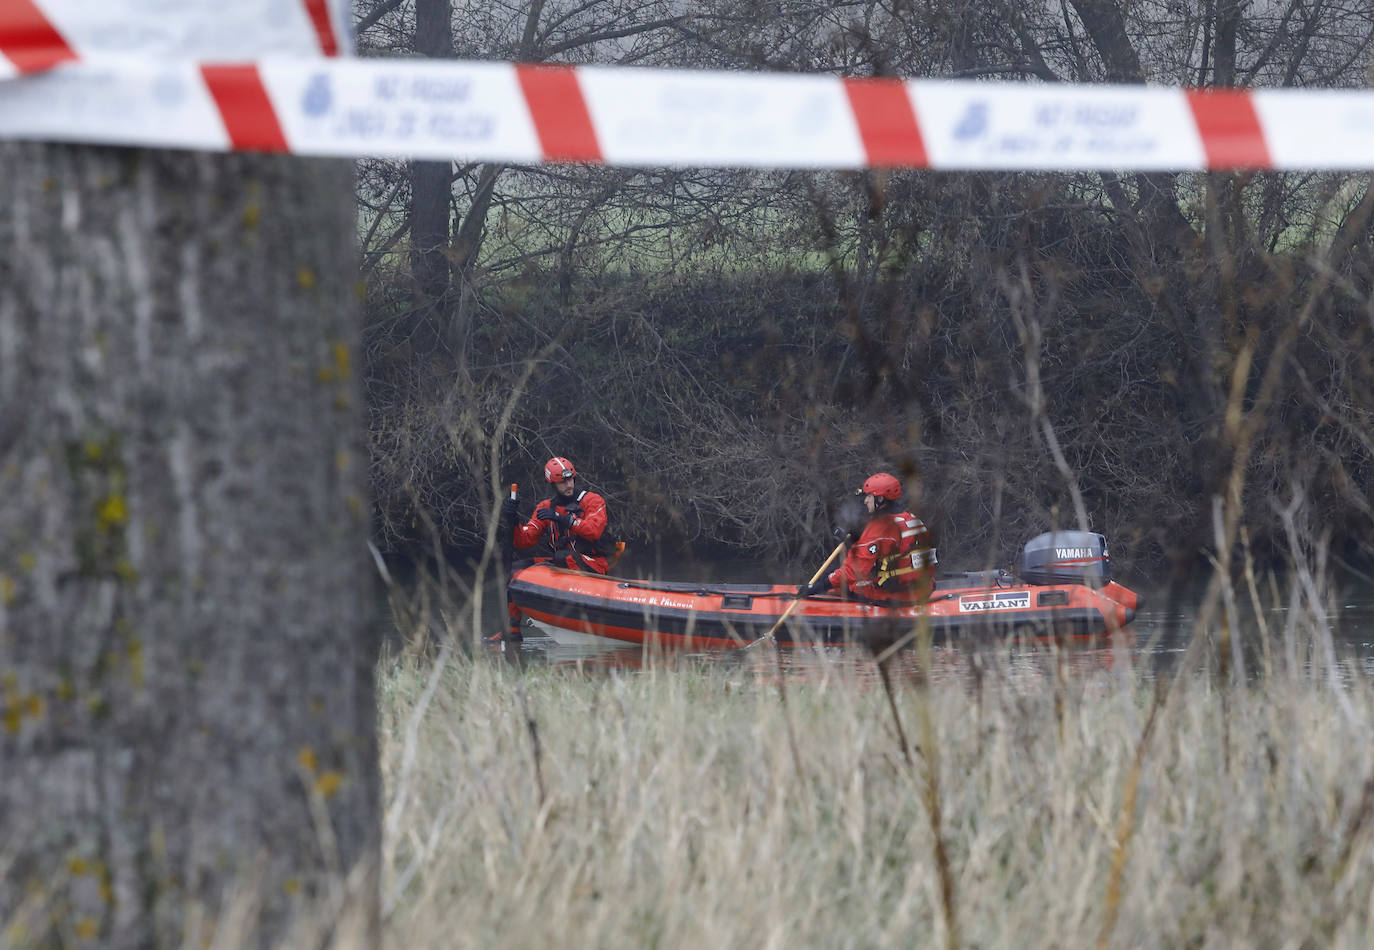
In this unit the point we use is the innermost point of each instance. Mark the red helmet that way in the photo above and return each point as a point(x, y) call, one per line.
point(558, 469)
point(883, 485)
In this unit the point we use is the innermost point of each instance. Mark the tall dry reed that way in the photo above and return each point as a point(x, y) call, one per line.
point(666, 807)
point(1039, 802)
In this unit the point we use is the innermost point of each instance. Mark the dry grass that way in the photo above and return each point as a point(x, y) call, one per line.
point(1075, 804)
point(664, 807)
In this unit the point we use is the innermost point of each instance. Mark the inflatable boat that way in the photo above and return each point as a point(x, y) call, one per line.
point(1062, 590)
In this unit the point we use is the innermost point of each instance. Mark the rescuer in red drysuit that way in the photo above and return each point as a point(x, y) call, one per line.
point(892, 561)
point(575, 521)
point(575, 524)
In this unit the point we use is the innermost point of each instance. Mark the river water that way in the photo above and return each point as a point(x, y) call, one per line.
point(1159, 642)
point(1337, 644)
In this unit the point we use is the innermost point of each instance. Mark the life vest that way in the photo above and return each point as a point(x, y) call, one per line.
point(609, 545)
point(915, 556)
point(600, 547)
point(596, 554)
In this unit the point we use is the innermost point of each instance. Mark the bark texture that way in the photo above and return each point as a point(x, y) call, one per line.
point(431, 184)
point(188, 740)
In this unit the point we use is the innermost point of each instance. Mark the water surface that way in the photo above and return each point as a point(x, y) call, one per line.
point(1157, 643)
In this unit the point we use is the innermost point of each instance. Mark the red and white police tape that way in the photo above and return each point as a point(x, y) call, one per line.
point(36, 35)
point(262, 75)
point(445, 109)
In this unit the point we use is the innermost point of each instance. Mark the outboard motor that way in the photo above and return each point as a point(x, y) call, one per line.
point(1066, 557)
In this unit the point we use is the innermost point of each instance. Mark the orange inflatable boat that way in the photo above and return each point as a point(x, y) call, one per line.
point(1063, 589)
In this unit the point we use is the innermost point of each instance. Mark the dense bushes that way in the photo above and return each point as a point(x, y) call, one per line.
point(1053, 354)
point(1179, 360)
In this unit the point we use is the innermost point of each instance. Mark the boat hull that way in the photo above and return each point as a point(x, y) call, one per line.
point(696, 615)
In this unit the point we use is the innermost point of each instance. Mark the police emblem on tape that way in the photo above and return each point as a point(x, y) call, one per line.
point(318, 96)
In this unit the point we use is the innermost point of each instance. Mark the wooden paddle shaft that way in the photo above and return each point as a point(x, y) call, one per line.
point(793, 606)
point(817, 576)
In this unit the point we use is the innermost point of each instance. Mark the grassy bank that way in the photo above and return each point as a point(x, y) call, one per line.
point(672, 808)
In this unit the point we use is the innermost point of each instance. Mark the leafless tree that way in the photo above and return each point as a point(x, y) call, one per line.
point(783, 331)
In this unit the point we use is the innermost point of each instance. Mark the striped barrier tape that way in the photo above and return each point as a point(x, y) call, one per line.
point(502, 112)
point(36, 35)
point(263, 75)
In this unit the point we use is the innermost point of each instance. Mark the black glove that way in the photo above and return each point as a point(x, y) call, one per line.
point(846, 535)
point(819, 587)
point(510, 509)
point(557, 517)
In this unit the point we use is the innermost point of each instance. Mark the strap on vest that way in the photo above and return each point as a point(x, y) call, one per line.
point(598, 548)
point(910, 562)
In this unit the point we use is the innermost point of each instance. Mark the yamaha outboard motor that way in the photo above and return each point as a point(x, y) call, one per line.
point(1066, 557)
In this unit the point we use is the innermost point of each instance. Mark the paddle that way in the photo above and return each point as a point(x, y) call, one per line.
point(793, 606)
point(508, 550)
point(508, 533)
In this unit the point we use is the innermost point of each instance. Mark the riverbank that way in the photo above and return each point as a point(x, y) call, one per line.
point(668, 807)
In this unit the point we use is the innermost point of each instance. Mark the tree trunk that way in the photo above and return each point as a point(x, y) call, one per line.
point(185, 641)
point(1107, 27)
point(431, 186)
point(1229, 15)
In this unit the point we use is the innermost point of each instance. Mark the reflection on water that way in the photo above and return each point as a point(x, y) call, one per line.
point(1156, 644)
point(819, 664)
point(1021, 660)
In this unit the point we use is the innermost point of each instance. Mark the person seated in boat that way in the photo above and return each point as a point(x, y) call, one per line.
point(571, 523)
point(892, 560)
point(571, 520)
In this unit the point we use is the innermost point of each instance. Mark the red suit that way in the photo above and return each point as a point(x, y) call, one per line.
point(893, 561)
point(578, 546)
